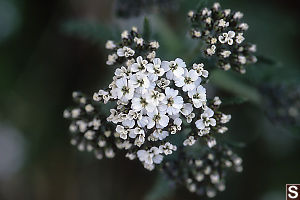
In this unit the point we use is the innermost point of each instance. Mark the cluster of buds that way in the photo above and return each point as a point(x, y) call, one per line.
point(223, 35)
point(208, 123)
point(284, 110)
point(204, 175)
point(89, 129)
point(131, 46)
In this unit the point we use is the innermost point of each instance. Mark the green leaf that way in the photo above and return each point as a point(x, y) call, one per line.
point(228, 81)
point(170, 42)
point(161, 189)
point(234, 101)
point(146, 29)
point(266, 60)
point(233, 143)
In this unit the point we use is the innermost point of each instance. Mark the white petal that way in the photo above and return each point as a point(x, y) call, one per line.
point(199, 124)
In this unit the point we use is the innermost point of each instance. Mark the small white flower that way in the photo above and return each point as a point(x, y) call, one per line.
point(140, 65)
point(154, 44)
point(207, 117)
point(140, 80)
point(122, 131)
point(242, 59)
point(134, 29)
point(211, 142)
point(189, 142)
point(168, 148)
point(227, 37)
point(155, 68)
point(239, 38)
point(216, 6)
point(217, 101)
point(89, 108)
point(125, 51)
point(187, 81)
point(196, 33)
point(244, 26)
point(159, 119)
point(223, 23)
point(206, 11)
point(227, 12)
point(191, 14)
point(252, 48)
point(208, 20)
point(110, 44)
point(238, 15)
point(226, 67)
point(139, 103)
point(123, 72)
point(163, 83)
point(151, 56)
point(223, 129)
point(172, 103)
point(187, 109)
point(211, 50)
point(198, 96)
point(109, 153)
point(89, 135)
point(174, 68)
point(199, 68)
point(154, 97)
point(124, 89)
point(130, 62)
point(75, 112)
point(213, 41)
point(190, 117)
point(130, 156)
point(67, 114)
point(225, 118)
point(124, 35)
point(204, 131)
point(111, 59)
point(95, 123)
point(199, 177)
point(225, 53)
point(82, 126)
point(139, 41)
point(160, 134)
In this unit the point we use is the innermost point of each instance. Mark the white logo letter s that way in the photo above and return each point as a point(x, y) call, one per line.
point(293, 189)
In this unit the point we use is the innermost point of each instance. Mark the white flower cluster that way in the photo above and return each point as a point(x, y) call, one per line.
point(224, 35)
point(209, 121)
point(205, 175)
point(124, 53)
point(152, 99)
point(89, 130)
